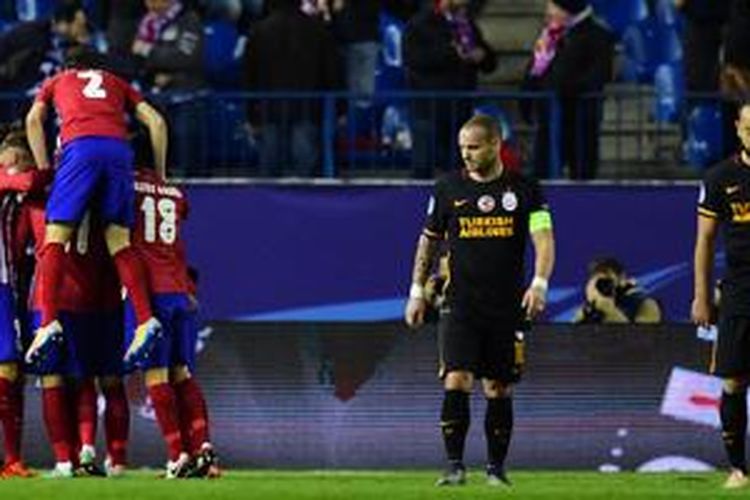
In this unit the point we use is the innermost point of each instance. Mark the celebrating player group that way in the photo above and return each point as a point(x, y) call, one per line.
point(107, 291)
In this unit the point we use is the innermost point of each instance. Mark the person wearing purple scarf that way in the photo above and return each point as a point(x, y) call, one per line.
point(444, 50)
point(572, 58)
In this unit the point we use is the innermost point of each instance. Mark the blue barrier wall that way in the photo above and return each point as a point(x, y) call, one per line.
point(344, 253)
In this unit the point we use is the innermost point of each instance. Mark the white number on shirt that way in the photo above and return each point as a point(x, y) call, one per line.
point(94, 80)
point(159, 217)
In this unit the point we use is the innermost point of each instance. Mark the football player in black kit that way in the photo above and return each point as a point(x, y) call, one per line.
point(485, 213)
point(724, 202)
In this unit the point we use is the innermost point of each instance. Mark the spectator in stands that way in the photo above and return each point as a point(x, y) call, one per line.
point(289, 51)
point(735, 71)
point(122, 18)
point(444, 50)
point(169, 46)
point(572, 57)
point(704, 21)
point(614, 297)
point(356, 28)
point(32, 50)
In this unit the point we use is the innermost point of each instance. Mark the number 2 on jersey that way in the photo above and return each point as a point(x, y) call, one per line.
point(159, 217)
point(93, 88)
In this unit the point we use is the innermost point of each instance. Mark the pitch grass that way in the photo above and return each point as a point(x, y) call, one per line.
point(378, 485)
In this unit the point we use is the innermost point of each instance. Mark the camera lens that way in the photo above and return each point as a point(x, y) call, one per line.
point(605, 286)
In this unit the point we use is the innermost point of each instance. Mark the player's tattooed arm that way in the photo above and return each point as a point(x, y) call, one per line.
point(427, 249)
point(416, 306)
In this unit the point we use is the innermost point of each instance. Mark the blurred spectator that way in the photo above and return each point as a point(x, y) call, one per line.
point(735, 71)
point(169, 46)
point(704, 21)
point(572, 57)
point(170, 42)
point(444, 50)
point(239, 12)
point(32, 50)
point(322, 9)
point(289, 51)
point(614, 297)
point(356, 28)
point(122, 17)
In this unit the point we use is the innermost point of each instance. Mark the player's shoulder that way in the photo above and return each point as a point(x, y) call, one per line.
point(521, 182)
point(722, 170)
point(56, 78)
point(450, 179)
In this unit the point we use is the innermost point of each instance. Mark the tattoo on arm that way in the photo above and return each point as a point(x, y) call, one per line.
point(423, 260)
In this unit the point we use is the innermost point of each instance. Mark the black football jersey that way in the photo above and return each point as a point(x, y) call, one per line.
point(725, 196)
point(486, 225)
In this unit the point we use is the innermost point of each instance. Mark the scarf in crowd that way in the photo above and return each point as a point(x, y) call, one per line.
point(153, 24)
point(463, 33)
point(548, 42)
point(545, 48)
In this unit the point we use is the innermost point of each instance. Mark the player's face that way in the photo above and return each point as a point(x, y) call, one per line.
point(75, 29)
point(743, 128)
point(479, 149)
point(14, 156)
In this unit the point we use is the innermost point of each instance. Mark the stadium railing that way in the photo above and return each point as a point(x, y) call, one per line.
point(413, 134)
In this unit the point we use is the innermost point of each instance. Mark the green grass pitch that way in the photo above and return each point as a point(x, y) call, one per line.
point(376, 485)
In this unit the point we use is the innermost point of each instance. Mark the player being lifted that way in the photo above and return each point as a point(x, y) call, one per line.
point(95, 170)
point(177, 398)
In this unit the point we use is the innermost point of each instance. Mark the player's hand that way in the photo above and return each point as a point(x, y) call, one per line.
point(534, 301)
point(700, 311)
point(415, 311)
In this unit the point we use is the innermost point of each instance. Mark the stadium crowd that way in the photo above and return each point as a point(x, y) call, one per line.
point(392, 109)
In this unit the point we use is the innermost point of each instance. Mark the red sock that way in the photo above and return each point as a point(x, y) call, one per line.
point(86, 412)
point(133, 277)
point(57, 422)
point(8, 414)
point(165, 407)
point(193, 413)
point(116, 423)
point(50, 276)
point(19, 387)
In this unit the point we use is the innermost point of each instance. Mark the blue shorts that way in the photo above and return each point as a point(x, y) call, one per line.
point(177, 344)
point(93, 171)
point(10, 336)
point(92, 346)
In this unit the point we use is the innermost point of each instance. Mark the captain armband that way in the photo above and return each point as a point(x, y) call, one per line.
point(539, 221)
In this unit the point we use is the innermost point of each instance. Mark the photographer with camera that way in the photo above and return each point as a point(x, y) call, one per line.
point(614, 297)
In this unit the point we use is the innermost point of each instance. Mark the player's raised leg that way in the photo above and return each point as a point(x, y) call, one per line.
point(50, 269)
point(133, 277)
